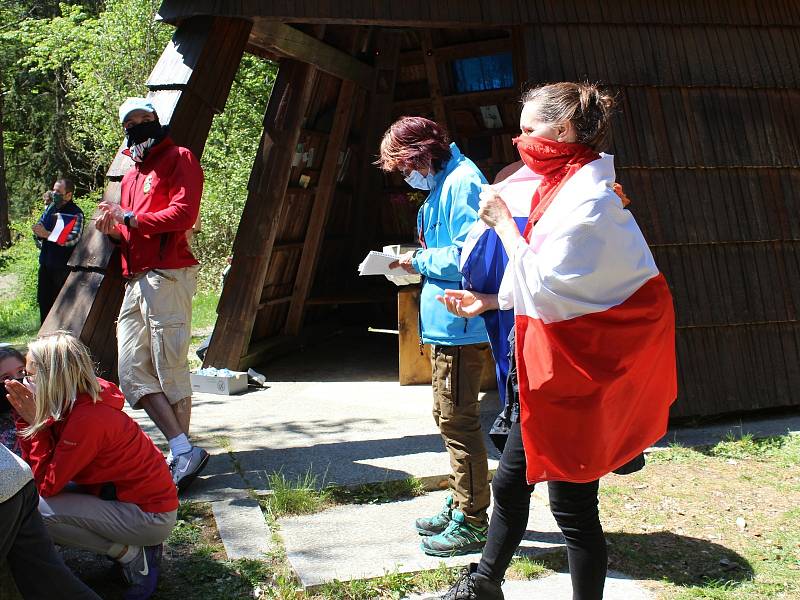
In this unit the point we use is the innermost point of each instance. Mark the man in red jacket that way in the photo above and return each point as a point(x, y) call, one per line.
point(159, 203)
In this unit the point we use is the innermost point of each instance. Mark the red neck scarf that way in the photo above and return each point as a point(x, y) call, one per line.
point(556, 162)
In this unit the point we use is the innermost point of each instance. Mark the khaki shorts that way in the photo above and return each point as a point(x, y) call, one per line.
point(153, 334)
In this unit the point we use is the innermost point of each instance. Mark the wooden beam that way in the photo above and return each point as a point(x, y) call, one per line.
point(255, 237)
point(432, 73)
point(477, 14)
point(295, 44)
point(520, 57)
point(455, 51)
point(326, 189)
point(378, 119)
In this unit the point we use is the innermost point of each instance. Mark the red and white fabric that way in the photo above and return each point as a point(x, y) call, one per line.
point(595, 331)
point(64, 225)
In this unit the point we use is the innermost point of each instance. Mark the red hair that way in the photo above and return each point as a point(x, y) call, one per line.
point(414, 143)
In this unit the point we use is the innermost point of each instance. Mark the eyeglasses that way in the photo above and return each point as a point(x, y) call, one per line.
point(22, 376)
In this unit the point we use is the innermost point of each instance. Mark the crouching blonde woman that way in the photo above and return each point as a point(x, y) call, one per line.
point(104, 485)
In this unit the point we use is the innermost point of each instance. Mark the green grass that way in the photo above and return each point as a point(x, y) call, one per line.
point(19, 321)
point(784, 449)
point(677, 522)
point(299, 496)
point(204, 310)
point(676, 453)
point(522, 567)
point(392, 585)
point(377, 493)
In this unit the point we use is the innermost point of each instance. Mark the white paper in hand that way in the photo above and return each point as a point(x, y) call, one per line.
point(377, 263)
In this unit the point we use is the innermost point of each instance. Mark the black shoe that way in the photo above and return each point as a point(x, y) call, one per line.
point(472, 586)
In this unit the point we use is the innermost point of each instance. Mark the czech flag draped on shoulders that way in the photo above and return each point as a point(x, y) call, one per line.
point(595, 324)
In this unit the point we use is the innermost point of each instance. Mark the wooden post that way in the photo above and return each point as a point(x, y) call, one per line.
point(370, 180)
point(189, 85)
point(255, 236)
point(432, 72)
point(415, 368)
point(322, 203)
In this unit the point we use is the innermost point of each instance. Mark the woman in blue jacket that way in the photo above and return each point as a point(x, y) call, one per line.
point(420, 149)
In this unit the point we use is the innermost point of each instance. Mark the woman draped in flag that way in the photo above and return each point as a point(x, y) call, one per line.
point(595, 337)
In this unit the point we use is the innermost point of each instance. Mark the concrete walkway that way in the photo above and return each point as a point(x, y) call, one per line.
point(369, 540)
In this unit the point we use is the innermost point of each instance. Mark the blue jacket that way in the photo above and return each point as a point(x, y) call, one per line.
point(444, 219)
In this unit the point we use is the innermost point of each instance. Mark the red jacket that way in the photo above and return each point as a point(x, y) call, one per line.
point(164, 193)
point(95, 444)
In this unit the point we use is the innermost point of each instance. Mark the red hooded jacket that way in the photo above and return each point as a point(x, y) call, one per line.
point(164, 193)
point(95, 444)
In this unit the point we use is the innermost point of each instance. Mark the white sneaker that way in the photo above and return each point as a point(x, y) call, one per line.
point(187, 466)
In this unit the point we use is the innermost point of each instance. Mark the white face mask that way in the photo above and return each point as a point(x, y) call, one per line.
point(421, 182)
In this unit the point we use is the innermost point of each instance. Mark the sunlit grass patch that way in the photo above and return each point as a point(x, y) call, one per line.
point(298, 496)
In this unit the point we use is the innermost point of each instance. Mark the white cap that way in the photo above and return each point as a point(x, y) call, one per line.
point(132, 104)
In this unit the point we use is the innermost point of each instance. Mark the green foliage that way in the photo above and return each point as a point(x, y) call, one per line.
point(227, 161)
point(64, 69)
point(675, 454)
point(19, 267)
point(184, 533)
point(85, 63)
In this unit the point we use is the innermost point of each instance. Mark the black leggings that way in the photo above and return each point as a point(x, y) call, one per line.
point(574, 506)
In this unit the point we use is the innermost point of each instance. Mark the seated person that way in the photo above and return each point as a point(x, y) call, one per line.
point(121, 501)
point(12, 366)
point(36, 566)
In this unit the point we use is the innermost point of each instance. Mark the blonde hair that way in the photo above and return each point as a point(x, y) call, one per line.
point(64, 369)
point(585, 105)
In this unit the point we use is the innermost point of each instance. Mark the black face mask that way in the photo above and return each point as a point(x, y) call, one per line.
point(143, 132)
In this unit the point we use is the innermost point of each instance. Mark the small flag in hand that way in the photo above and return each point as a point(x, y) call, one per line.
point(63, 227)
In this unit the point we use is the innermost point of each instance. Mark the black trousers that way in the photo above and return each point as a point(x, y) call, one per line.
point(51, 280)
point(37, 568)
point(575, 508)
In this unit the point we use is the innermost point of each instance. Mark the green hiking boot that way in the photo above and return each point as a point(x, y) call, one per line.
point(459, 538)
point(438, 522)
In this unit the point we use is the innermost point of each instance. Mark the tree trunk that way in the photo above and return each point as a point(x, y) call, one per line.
point(5, 232)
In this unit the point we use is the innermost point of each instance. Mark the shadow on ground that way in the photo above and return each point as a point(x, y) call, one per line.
point(661, 556)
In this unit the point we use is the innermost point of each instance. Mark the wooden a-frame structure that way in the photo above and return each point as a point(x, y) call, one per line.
point(707, 144)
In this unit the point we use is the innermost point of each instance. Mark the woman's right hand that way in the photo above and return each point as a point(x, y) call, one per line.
point(464, 303)
point(21, 398)
point(492, 208)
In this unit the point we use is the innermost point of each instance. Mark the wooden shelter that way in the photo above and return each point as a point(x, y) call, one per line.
point(707, 144)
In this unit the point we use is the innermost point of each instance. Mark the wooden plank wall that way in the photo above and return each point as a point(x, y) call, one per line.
point(707, 143)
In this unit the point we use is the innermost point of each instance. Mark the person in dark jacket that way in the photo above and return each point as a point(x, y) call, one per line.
point(56, 232)
point(36, 566)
